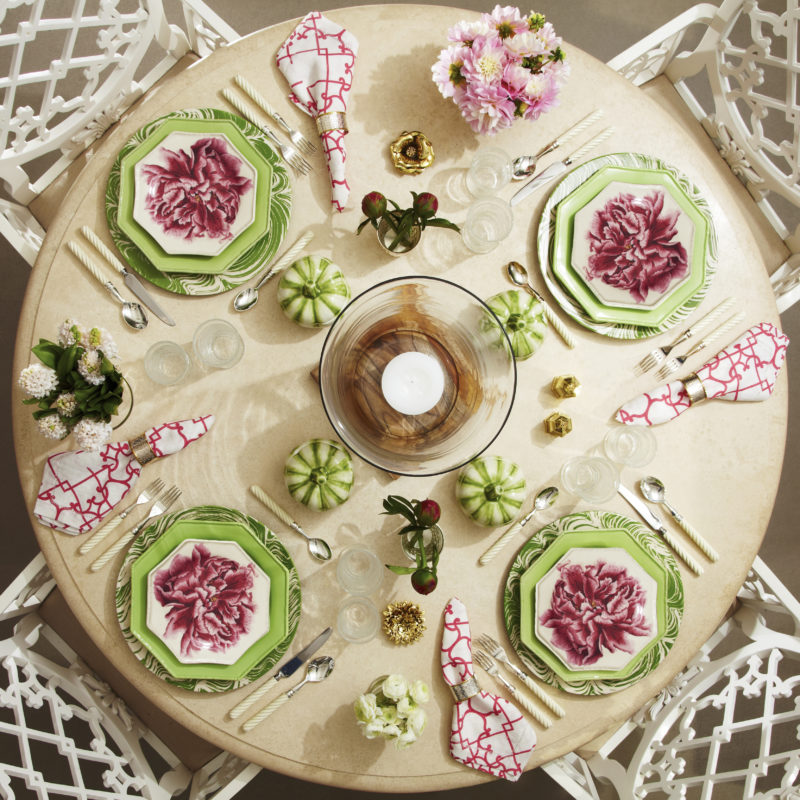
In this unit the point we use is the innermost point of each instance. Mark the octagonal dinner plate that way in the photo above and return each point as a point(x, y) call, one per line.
point(162, 166)
point(628, 572)
point(686, 241)
point(207, 525)
point(589, 524)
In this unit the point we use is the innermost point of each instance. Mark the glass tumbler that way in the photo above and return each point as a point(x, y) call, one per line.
point(166, 363)
point(488, 222)
point(632, 445)
point(359, 571)
point(217, 344)
point(489, 172)
point(358, 620)
point(592, 478)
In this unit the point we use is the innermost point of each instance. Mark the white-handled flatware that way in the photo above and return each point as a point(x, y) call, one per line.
point(132, 313)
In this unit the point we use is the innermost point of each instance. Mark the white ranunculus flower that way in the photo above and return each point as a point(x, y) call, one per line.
point(37, 380)
point(405, 739)
point(417, 720)
point(373, 729)
point(389, 714)
point(404, 706)
point(390, 731)
point(366, 708)
point(395, 687)
point(420, 692)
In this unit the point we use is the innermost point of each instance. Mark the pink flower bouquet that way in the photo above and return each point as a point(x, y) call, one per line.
point(502, 68)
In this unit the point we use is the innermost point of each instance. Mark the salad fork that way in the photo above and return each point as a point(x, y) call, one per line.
point(486, 663)
point(288, 153)
point(297, 138)
point(492, 646)
point(145, 496)
point(159, 507)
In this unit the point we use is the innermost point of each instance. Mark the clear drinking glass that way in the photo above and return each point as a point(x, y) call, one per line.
point(359, 571)
point(166, 363)
point(489, 172)
point(592, 478)
point(488, 222)
point(217, 344)
point(632, 445)
point(358, 620)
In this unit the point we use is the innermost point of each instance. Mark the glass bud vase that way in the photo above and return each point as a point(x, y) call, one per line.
point(386, 236)
point(432, 540)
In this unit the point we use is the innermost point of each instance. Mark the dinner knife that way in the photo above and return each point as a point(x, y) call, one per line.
point(654, 521)
point(287, 669)
point(129, 279)
point(559, 167)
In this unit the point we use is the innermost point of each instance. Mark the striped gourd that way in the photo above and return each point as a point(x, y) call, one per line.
point(319, 474)
point(522, 317)
point(313, 291)
point(490, 490)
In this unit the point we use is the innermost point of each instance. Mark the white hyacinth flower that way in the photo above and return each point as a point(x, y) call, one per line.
point(38, 381)
point(92, 434)
point(66, 404)
point(89, 367)
point(101, 339)
point(52, 426)
point(71, 332)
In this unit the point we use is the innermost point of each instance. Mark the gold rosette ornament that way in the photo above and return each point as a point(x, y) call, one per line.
point(411, 152)
point(403, 622)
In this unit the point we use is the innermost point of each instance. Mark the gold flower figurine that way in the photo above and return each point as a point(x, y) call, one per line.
point(411, 152)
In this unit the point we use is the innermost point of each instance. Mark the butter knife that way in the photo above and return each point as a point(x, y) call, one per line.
point(559, 168)
point(654, 521)
point(288, 668)
point(130, 280)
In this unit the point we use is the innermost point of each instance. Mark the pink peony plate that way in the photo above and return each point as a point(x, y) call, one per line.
point(630, 245)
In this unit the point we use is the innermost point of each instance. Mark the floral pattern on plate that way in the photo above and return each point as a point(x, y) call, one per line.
point(593, 523)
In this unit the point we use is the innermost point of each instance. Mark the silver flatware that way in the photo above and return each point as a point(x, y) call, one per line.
point(654, 521)
point(523, 166)
point(493, 648)
point(128, 278)
point(318, 548)
point(486, 663)
point(655, 357)
point(132, 313)
point(287, 669)
point(248, 297)
point(543, 500)
point(655, 491)
point(145, 496)
point(673, 364)
point(519, 275)
point(161, 505)
point(287, 151)
point(317, 671)
point(298, 140)
point(559, 168)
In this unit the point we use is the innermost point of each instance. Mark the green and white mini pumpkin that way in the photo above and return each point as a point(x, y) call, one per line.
point(319, 474)
point(522, 317)
point(490, 490)
point(313, 291)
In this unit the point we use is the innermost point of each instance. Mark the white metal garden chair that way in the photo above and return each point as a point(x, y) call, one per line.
point(68, 71)
point(741, 83)
point(726, 727)
point(64, 732)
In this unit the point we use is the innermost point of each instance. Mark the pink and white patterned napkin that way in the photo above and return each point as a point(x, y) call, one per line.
point(79, 488)
point(745, 370)
point(487, 733)
point(317, 60)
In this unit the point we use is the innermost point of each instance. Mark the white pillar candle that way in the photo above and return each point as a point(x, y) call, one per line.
point(412, 383)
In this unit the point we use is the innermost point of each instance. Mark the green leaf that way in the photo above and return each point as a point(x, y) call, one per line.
point(440, 222)
point(47, 352)
point(67, 361)
point(401, 570)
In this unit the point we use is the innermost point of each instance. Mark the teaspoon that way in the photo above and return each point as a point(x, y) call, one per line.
point(655, 491)
point(318, 669)
point(519, 276)
point(248, 297)
point(543, 500)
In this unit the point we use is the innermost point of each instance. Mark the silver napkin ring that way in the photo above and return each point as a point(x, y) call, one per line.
point(141, 450)
point(331, 121)
point(695, 389)
point(463, 691)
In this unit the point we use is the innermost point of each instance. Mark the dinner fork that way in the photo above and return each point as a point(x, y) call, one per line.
point(492, 646)
point(288, 152)
point(159, 507)
point(672, 364)
point(487, 664)
point(145, 496)
point(655, 357)
point(297, 138)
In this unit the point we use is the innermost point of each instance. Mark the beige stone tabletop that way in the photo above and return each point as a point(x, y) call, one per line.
point(721, 462)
